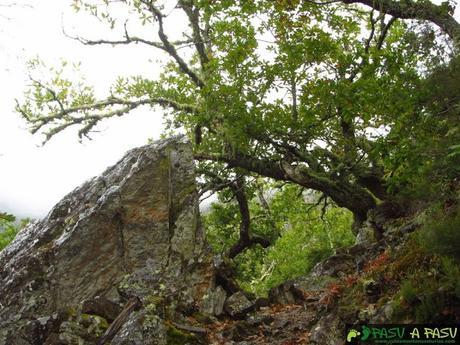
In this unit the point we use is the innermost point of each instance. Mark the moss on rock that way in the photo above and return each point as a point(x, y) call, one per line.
point(175, 336)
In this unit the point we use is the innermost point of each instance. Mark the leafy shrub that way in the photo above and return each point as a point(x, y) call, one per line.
point(408, 292)
point(451, 279)
point(430, 293)
point(9, 227)
point(441, 233)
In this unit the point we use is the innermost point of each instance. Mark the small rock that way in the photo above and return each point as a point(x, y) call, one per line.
point(384, 314)
point(338, 265)
point(366, 234)
point(237, 305)
point(327, 331)
point(282, 294)
point(102, 307)
point(214, 301)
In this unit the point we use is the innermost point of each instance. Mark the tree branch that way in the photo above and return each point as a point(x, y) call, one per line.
point(383, 33)
point(237, 187)
point(345, 194)
point(193, 15)
point(169, 47)
point(91, 119)
point(128, 39)
point(246, 240)
point(439, 15)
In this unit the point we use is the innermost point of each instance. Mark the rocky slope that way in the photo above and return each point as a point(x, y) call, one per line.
point(376, 281)
point(126, 242)
point(123, 260)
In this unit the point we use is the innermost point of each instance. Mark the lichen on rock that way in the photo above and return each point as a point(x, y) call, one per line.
point(134, 231)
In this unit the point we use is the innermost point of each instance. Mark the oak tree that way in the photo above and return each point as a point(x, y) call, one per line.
point(307, 92)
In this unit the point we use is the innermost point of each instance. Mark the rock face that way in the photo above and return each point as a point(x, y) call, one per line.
point(132, 233)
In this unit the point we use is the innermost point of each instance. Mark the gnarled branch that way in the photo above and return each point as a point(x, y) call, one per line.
point(440, 15)
point(169, 47)
point(246, 240)
point(345, 194)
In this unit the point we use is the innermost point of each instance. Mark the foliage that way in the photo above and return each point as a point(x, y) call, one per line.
point(426, 292)
point(451, 279)
point(440, 233)
point(349, 101)
point(321, 95)
point(408, 292)
point(426, 298)
point(423, 160)
point(301, 233)
point(9, 228)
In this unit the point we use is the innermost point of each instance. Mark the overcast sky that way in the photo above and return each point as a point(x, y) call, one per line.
point(33, 178)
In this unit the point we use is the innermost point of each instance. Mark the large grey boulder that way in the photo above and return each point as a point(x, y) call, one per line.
point(132, 233)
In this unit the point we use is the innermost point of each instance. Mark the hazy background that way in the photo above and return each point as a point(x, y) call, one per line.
point(34, 177)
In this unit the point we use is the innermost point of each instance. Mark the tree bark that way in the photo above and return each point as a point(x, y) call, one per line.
point(246, 240)
point(344, 193)
point(421, 10)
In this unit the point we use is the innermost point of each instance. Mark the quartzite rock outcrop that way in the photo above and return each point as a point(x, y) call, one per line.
point(125, 248)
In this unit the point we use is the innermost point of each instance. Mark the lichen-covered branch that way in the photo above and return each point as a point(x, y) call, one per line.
point(89, 115)
point(169, 47)
point(440, 15)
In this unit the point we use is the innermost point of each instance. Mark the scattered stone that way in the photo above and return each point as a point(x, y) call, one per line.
point(328, 331)
point(214, 301)
point(367, 234)
point(286, 293)
point(237, 305)
point(338, 265)
point(383, 314)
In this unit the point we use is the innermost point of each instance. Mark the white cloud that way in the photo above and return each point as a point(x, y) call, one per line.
point(34, 178)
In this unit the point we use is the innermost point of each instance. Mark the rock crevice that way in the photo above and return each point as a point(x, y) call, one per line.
point(133, 232)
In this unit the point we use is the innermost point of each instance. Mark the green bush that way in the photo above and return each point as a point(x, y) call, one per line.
point(408, 292)
point(441, 233)
point(430, 308)
point(9, 227)
point(451, 279)
point(431, 293)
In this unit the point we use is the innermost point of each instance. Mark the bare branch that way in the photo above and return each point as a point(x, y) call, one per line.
point(372, 32)
point(16, 4)
point(169, 47)
point(128, 39)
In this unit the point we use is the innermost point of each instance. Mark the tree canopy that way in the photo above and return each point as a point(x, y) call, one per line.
point(339, 96)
